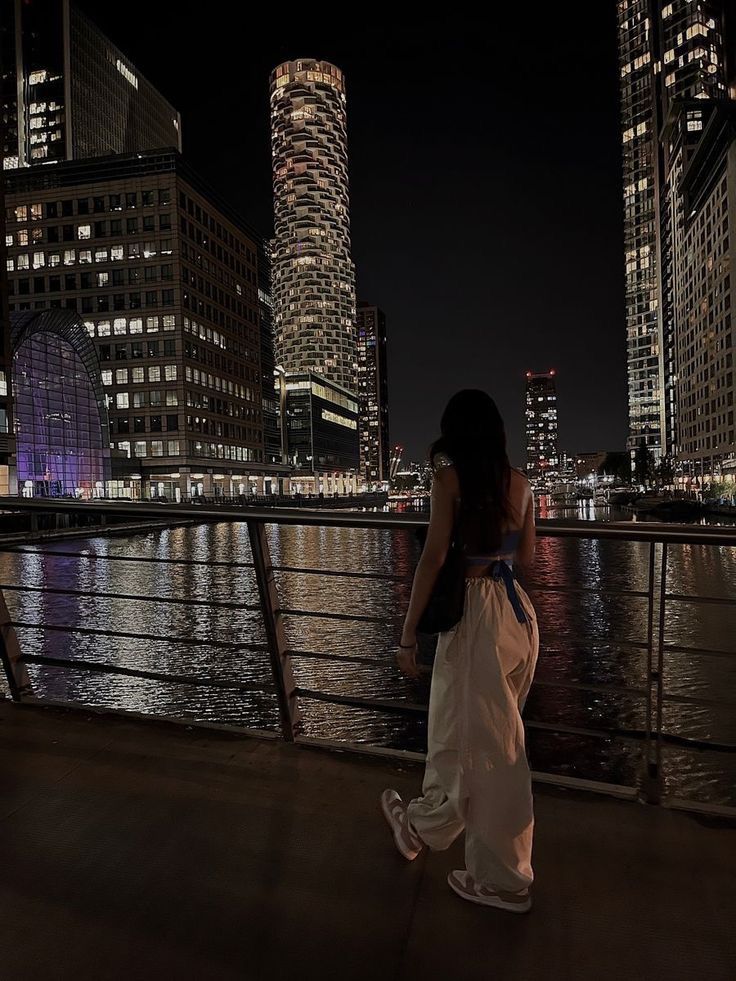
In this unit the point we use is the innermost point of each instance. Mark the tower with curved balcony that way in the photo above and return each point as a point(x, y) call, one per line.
point(313, 273)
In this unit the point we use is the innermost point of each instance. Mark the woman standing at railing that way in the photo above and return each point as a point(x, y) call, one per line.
point(477, 777)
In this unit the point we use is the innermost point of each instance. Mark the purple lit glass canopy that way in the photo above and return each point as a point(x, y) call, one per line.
point(62, 425)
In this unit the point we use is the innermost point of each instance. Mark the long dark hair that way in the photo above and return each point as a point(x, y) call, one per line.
point(473, 436)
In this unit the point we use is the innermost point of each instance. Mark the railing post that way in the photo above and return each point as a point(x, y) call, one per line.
point(283, 676)
point(650, 784)
point(15, 670)
point(660, 666)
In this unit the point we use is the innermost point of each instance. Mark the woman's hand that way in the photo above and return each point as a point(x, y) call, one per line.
point(406, 657)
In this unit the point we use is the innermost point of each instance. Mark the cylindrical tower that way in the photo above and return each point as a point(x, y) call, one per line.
point(313, 273)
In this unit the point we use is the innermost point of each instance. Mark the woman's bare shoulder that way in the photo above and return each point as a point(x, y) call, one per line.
point(518, 479)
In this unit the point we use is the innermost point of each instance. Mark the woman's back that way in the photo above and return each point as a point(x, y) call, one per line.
point(517, 531)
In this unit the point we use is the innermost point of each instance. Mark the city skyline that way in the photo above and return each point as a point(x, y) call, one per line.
point(426, 187)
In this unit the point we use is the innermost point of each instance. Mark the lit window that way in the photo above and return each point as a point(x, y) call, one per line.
point(21, 213)
point(103, 279)
point(157, 447)
point(39, 260)
point(138, 376)
point(172, 447)
point(140, 448)
point(172, 398)
point(36, 212)
point(106, 376)
point(23, 262)
point(119, 325)
point(154, 373)
point(124, 447)
point(85, 255)
point(103, 328)
point(116, 253)
point(169, 322)
point(36, 78)
point(9, 265)
point(170, 372)
point(84, 231)
point(122, 401)
point(151, 325)
point(23, 236)
point(136, 325)
point(121, 376)
point(100, 255)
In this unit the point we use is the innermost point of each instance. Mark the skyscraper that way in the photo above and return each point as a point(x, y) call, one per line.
point(705, 298)
point(542, 443)
point(7, 439)
point(373, 394)
point(66, 92)
point(668, 52)
point(313, 273)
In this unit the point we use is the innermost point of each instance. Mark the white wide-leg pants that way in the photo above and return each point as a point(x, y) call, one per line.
point(477, 777)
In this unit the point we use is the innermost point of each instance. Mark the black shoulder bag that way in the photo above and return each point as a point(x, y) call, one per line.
point(447, 601)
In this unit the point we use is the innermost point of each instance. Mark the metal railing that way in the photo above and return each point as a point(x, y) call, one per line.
point(653, 738)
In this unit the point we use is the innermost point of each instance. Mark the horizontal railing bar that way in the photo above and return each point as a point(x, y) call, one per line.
point(581, 590)
point(691, 598)
point(355, 701)
point(694, 700)
point(599, 688)
point(379, 661)
point(183, 679)
point(639, 531)
point(342, 574)
point(384, 661)
point(136, 597)
point(349, 617)
point(155, 559)
point(414, 708)
point(127, 635)
point(708, 652)
point(557, 638)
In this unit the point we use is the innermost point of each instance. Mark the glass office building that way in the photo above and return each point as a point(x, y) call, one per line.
point(542, 442)
point(60, 406)
point(67, 92)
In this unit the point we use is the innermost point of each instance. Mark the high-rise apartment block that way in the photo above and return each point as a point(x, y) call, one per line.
point(704, 277)
point(373, 395)
point(166, 279)
point(7, 436)
point(542, 442)
point(313, 273)
point(672, 58)
point(67, 93)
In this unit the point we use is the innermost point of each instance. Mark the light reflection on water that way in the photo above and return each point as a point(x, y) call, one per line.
point(588, 639)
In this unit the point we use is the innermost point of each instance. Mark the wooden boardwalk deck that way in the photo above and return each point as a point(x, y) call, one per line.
point(133, 850)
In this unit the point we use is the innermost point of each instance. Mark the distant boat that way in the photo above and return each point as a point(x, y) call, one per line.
point(564, 494)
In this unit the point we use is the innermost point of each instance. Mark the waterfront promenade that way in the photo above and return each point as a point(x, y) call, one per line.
point(141, 850)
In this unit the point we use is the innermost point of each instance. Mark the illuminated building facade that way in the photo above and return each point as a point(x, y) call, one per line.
point(322, 425)
point(705, 288)
point(542, 442)
point(61, 411)
point(67, 93)
point(668, 51)
point(313, 273)
point(373, 395)
point(8, 483)
point(166, 279)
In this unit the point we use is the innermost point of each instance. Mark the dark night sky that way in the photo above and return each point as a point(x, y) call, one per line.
point(485, 187)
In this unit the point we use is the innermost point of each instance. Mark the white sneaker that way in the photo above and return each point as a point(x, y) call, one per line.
point(394, 810)
point(462, 883)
